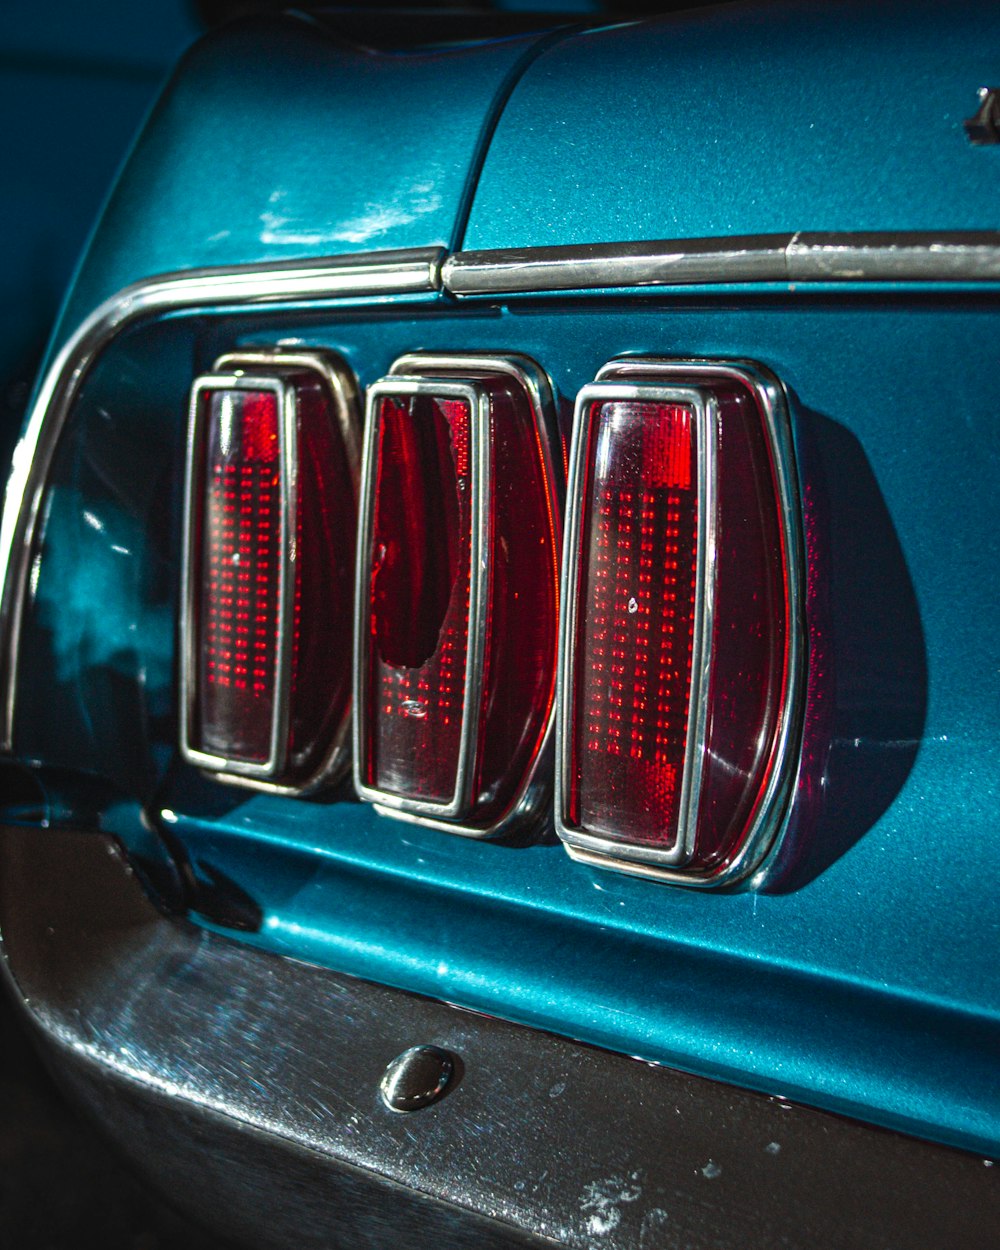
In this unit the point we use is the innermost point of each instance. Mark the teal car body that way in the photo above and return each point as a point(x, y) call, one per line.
point(771, 182)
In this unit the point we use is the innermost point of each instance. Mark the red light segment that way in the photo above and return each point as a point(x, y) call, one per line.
point(323, 609)
point(419, 597)
point(240, 556)
point(749, 643)
point(522, 607)
point(635, 622)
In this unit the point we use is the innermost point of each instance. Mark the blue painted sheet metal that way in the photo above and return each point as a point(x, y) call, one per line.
point(866, 980)
point(277, 141)
point(746, 119)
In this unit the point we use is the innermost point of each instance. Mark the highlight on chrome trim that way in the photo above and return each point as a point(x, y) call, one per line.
point(462, 376)
point(269, 372)
point(915, 256)
point(688, 383)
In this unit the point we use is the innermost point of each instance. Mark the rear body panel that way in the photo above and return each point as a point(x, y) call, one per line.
point(746, 119)
point(862, 977)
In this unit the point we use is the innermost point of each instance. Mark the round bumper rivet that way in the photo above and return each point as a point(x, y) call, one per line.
point(416, 1078)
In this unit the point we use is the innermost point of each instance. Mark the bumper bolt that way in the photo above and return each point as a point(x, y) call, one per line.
point(416, 1078)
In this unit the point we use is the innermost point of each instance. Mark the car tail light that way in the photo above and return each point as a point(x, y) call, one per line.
point(269, 567)
point(457, 601)
point(681, 643)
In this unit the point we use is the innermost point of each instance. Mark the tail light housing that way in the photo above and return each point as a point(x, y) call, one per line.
point(457, 595)
point(270, 527)
point(681, 643)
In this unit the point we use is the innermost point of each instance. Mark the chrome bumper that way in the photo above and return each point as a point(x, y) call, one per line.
point(246, 1087)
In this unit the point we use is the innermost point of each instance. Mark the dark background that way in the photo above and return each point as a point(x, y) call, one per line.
point(61, 1187)
point(76, 81)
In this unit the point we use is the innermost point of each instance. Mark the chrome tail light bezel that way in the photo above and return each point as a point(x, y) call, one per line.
point(271, 371)
point(458, 375)
point(478, 403)
point(688, 382)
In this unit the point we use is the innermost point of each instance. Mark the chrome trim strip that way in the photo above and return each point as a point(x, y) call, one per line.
point(630, 377)
point(364, 275)
point(916, 256)
point(597, 266)
point(420, 368)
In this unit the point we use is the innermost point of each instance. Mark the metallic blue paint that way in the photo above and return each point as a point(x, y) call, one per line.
point(748, 119)
point(276, 141)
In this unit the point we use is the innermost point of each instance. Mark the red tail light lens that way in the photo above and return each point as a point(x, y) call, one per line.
point(240, 593)
point(271, 506)
point(635, 634)
point(457, 592)
point(419, 601)
point(681, 646)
